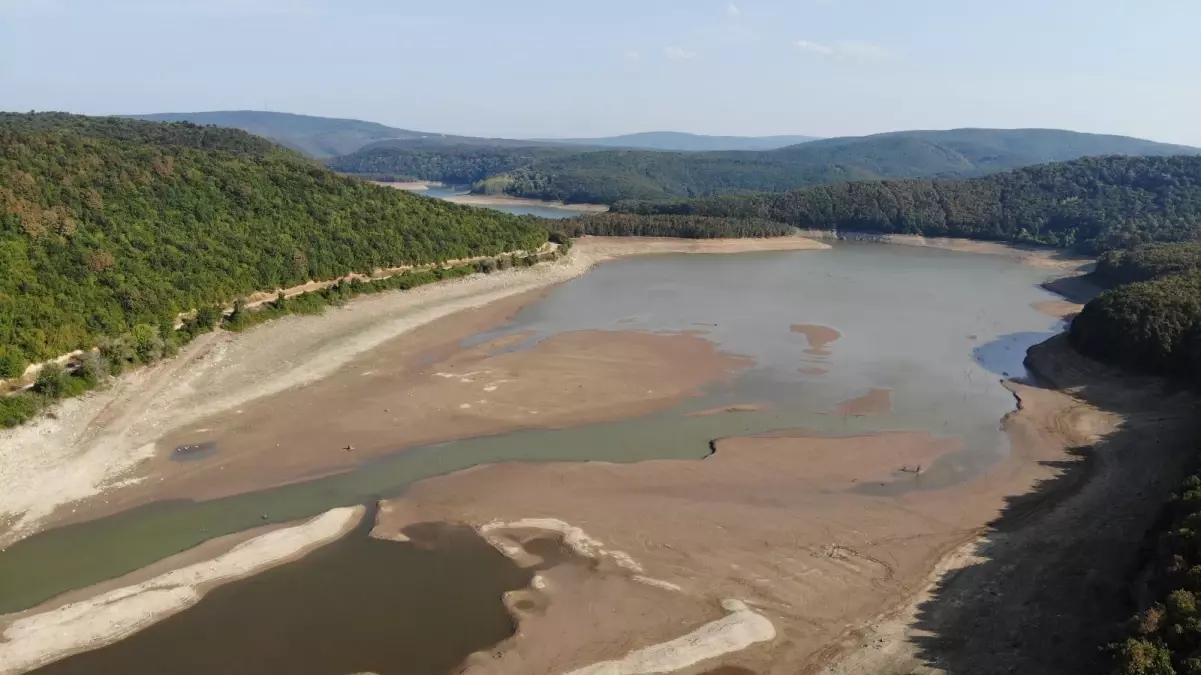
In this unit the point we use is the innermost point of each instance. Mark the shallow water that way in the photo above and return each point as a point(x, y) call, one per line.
point(516, 209)
point(938, 329)
point(407, 609)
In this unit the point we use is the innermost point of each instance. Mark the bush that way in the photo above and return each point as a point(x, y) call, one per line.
point(93, 369)
point(52, 381)
point(12, 364)
point(18, 409)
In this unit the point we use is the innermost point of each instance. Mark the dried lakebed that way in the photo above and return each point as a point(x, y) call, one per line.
point(788, 348)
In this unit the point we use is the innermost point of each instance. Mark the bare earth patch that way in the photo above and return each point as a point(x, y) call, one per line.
point(1060, 309)
point(96, 447)
point(776, 521)
point(875, 402)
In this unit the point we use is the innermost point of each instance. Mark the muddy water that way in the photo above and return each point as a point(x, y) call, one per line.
point(936, 329)
point(407, 609)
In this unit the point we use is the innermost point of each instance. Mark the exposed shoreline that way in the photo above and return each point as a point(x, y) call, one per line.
point(96, 443)
point(589, 250)
point(411, 186)
point(40, 636)
point(500, 200)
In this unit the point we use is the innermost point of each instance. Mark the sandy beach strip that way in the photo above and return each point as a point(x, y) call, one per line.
point(500, 200)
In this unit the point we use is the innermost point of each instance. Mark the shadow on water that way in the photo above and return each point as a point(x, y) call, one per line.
point(1005, 356)
point(358, 605)
point(1052, 584)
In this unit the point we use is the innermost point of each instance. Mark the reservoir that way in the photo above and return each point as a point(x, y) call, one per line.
point(859, 339)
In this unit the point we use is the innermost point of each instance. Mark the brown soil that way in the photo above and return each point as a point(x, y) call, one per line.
point(779, 521)
point(742, 407)
point(875, 402)
point(498, 200)
point(577, 599)
point(1060, 309)
point(1049, 582)
point(812, 371)
point(818, 336)
point(426, 389)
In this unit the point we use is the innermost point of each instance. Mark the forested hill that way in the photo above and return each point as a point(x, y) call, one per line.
point(1091, 204)
point(98, 236)
point(615, 175)
point(181, 134)
point(683, 142)
point(460, 164)
point(319, 137)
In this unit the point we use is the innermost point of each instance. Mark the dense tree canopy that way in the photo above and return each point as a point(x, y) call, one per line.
point(1145, 263)
point(454, 165)
point(98, 236)
point(1091, 204)
point(177, 134)
point(610, 176)
point(687, 227)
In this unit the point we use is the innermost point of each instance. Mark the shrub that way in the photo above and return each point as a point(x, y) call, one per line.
point(52, 381)
point(12, 364)
point(18, 409)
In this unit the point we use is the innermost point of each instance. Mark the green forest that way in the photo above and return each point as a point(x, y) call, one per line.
point(687, 227)
point(99, 236)
point(1090, 205)
point(607, 176)
point(1151, 317)
point(454, 165)
point(177, 134)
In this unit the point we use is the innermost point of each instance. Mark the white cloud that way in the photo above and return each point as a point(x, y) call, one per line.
point(845, 49)
point(814, 47)
point(732, 11)
point(678, 54)
point(632, 57)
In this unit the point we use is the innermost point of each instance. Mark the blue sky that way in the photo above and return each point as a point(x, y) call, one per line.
point(593, 67)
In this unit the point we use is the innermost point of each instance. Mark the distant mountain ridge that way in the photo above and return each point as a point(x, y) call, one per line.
point(319, 137)
point(685, 142)
point(611, 176)
point(325, 137)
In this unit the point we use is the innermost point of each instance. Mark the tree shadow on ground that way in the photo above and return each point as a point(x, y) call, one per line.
point(1049, 586)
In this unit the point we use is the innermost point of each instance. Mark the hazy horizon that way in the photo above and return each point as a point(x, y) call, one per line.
point(548, 70)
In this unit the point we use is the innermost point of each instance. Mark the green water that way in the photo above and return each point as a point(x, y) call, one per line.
point(413, 608)
point(939, 329)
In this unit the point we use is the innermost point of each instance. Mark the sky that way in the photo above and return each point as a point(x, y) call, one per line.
point(547, 68)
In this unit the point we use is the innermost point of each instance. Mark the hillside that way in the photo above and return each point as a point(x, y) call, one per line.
point(176, 134)
point(465, 163)
point(607, 178)
point(1091, 204)
point(319, 137)
point(684, 142)
point(99, 236)
point(610, 176)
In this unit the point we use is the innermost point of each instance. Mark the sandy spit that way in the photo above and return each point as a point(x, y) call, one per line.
point(38, 638)
point(737, 631)
point(412, 186)
point(495, 200)
point(97, 442)
point(1035, 256)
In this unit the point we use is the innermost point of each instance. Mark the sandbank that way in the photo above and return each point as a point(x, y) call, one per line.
point(411, 186)
point(1035, 256)
point(40, 636)
point(819, 338)
point(96, 445)
point(875, 402)
point(778, 521)
point(498, 200)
